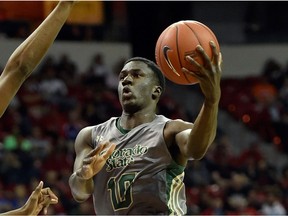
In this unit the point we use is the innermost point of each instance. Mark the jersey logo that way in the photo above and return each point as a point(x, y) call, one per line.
point(166, 49)
point(99, 139)
point(123, 157)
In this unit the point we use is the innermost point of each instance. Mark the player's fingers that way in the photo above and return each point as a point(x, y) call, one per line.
point(194, 62)
point(35, 194)
point(197, 75)
point(89, 160)
point(38, 209)
point(39, 187)
point(213, 47)
point(99, 148)
point(92, 153)
point(45, 210)
point(198, 72)
point(206, 58)
point(48, 193)
point(220, 60)
point(109, 151)
point(46, 203)
point(103, 147)
point(53, 197)
point(215, 57)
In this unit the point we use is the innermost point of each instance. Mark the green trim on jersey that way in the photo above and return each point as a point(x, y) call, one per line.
point(121, 129)
point(174, 177)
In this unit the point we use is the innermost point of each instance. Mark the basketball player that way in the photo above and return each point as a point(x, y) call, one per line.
point(20, 65)
point(134, 164)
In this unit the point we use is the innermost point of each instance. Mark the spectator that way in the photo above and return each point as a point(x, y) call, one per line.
point(273, 205)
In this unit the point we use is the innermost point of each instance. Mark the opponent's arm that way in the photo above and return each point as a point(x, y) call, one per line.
point(87, 164)
point(29, 53)
point(194, 143)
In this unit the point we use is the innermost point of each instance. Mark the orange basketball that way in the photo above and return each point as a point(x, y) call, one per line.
point(179, 40)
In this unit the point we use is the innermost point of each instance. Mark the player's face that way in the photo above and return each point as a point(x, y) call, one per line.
point(136, 83)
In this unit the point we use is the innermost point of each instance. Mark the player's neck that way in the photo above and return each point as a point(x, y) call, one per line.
point(128, 122)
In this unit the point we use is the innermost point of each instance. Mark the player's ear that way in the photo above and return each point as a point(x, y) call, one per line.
point(157, 91)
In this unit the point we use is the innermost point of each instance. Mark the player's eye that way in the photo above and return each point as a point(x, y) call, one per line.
point(122, 76)
point(136, 74)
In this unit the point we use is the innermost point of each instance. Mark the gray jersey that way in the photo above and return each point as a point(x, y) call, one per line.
point(140, 177)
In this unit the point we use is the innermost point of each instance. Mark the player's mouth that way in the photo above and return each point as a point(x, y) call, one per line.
point(126, 92)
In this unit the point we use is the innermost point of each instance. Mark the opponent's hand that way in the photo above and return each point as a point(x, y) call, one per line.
point(208, 74)
point(40, 199)
point(95, 160)
point(47, 198)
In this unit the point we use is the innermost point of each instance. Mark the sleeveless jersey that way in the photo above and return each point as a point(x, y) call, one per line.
point(140, 177)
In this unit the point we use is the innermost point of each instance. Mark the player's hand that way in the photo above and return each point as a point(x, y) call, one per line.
point(95, 160)
point(40, 199)
point(47, 198)
point(209, 74)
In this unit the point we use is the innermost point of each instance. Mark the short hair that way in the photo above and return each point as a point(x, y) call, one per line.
point(153, 66)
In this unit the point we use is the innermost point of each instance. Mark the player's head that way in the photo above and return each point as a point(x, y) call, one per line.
point(141, 84)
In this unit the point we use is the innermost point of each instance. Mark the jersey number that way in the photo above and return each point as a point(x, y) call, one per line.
point(121, 191)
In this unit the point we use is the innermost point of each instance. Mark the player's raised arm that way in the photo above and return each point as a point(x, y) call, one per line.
point(29, 53)
point(205, 125)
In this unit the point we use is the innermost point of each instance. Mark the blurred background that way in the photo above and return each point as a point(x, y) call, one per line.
point(246, 169)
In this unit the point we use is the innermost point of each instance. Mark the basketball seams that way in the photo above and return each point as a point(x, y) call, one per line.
point(211, 33)
point(178, 55)
point(206, 29)
point(195, 34)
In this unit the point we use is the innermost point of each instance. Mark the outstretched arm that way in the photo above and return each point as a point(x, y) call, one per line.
point(29, 53)
point(194, 143)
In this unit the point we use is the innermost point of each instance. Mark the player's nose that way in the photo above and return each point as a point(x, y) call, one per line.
point(127, 80)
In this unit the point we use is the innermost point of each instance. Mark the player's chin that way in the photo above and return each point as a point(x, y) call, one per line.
point(127, 98)
point(129, 106)
point(127, 103)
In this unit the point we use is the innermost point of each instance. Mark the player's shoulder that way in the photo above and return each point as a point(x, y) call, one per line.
point(105, 123)
point(108, 123)
point(176, 121)
point(178, 125)
point(90, 128)
point(85, 131)
point(88, 131)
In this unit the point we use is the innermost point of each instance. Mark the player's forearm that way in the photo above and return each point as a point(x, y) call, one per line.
point(81, 188)
point(204, 130)
point(28, 55)
point(19, 211)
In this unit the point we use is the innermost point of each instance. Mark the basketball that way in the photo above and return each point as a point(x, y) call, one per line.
point(176, 42)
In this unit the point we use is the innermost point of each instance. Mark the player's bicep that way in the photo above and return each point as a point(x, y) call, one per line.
point(181, 139)
point(177, 132)
point(83, 145)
